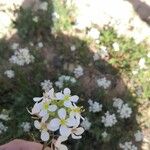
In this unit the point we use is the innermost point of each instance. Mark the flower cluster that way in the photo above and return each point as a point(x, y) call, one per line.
point(26, 126)
point(123, 109)
point(86, 124)
point(3, 128)
point(58, 112)
point(94, 106)
point(138, 136)
point(109, 119)
point(128, 146)
point(78, 72)
point(46, 85)
point(21, 57)
point(64, 79)
point(94, 33)
point(43, 6)
point(103, 82)
point(9, 73)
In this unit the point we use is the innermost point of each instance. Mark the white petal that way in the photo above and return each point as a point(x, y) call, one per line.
point(67, 91)
point(74, 98)
point(76, 137)
point(64, 130)
point(51, 93)
point(62, 113)
point(59, 96)
point(44, 135)
point(45, 118)
point(67, 104)
point(36, 99)
point(63, 147)
point(52, 108)
point(79, 131)
point(54, 124)
point(62, 138)
point(71, 121)
point(36, 108)
point(37, 124)
point(43, 113)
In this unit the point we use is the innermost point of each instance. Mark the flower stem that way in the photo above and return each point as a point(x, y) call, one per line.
point(44, 146)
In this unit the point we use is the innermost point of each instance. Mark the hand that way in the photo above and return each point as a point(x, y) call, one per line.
point(22, 145)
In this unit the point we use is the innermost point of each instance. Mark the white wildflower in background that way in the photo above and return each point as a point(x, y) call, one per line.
point(96, 56)
point(14, 46)
point(21, 57)
point(138, 90)
point(46, 85)
point(134, 72)
point(57, 112)
point(109, 119)
point(115, 46)
point(86, 124)
point(94, 106)
point(3, 128)
point(103, 52)
point(138, 136)
point(142, 63)
point(117, 102)
point(26, 126)
point(103, 82)
point(4, 117)
point(40, 45)
point(64, 79)
point(55, 16)
point(148, 54)
point(94, 33)
point(78, 71)
point(104, 134)
point(35, 19)
point(9, 73)
point(128, 146)
point(125, 111)
point(73, 48)
point(43, 6)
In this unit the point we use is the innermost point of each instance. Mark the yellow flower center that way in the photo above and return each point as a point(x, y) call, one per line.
point(77, 110)
point(66, 98)
point(63, 122)
point(46, 105)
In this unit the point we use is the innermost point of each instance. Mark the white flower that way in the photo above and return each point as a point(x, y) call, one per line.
point(55, 16)
point(67, 98)
point(43, 6)
point(9, 73)
point(42, 126)
point(35, 19)
point(14, 46)
point(64, 79)
point(96, 56)
point(94, 106)
point(142, 63)
point(58, 144)
point(3, 128)
point(103, 82)
point(134, 72)
point(103, 52)
point(104, 134)
point(125, 111)
point(118, 102)
point(46, 85)
point(127, 146)
point(4, 117)
point(138, 136)
point(40, 44)
point(76, 132)
point(148, 54)
point(94, 33)
point(62, 123)
point(109, 119)
point(78, 71)
point(73, 48)
point(115, 46)
point(86, 124)
point(26, 126)
point(21, 57)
